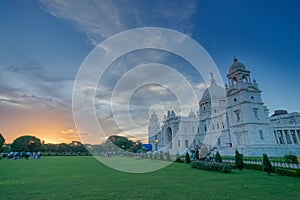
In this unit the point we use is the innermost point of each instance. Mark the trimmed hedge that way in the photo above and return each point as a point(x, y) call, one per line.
point(287, 172)
point(212, 166)
point(256, 167)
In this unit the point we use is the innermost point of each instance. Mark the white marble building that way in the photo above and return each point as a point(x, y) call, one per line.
point(229, 118)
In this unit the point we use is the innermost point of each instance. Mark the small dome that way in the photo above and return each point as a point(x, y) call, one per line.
point(154, 116)
point(236, 65)
point(192, 114)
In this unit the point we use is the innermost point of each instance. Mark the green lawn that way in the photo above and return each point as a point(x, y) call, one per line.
point(86, 178)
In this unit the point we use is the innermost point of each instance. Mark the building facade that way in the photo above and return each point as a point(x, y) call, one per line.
point(229, 119)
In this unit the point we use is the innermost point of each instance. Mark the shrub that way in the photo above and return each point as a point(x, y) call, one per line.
point(212, 166)
point(146, 155)
point(253, 166)
point(290, 158)
point(287, 172)
point(151, 155)
point(168, 157)
point(266, 165)
point(187, 158)
point(178, 158)
point(218, 157)
point(155, 156)
point(239, 160)
point(161, 156)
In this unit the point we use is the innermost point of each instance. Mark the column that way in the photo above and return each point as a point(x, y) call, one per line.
point(291, 137)
point(297, 132)
point(275, 134)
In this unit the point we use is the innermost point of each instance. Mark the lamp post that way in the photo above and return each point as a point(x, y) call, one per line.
point(156, 144)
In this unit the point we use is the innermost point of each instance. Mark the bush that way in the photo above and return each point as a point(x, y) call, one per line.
point(178, 158)
point(266, 165)
point(187, 158)
point(161, 156)
point(290, 159)
point(287, 172)
point(254, 167)
point(239, 160)
point(212, 166)
point(155, 156)
point(218, 157)
point(168, 157)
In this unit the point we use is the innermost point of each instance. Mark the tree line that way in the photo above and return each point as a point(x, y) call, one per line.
point(29, 143)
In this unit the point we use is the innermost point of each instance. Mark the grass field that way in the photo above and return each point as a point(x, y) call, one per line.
point(86, 178)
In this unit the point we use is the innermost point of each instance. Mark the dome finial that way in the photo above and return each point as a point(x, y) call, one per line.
point(235, 59)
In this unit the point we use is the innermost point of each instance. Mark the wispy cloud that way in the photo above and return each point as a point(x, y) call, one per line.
point(28, 84)
point(39, 85)
point(101, 19)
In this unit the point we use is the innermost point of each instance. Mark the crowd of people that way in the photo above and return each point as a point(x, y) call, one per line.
point(21, 155)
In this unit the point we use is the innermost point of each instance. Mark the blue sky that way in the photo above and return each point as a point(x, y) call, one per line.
point(43, 44)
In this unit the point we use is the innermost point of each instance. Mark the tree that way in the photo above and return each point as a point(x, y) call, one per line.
point(239, 163)
point(120, 141)
point(218, 157)
point(267, 166)
point(62, 148)
point(187, 158)
point(26, 143)
point(137, 147)
point(2, 140)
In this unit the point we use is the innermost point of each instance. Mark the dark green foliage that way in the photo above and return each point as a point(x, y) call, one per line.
point(2, 140)
point(155, 156)
point(239, 160)
point(161, 156)
point(187, 158)
point(26, 143)
point(168, 157)
point(137, 147)
point(120, 141)
point(212, 166)
point(287, 172)
point(253, 166)
point(290, 158)
point(62, 148)
point(218, 157)
point(177, 158)
point(266, 165)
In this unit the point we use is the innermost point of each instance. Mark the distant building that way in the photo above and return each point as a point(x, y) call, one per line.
point(229, 118)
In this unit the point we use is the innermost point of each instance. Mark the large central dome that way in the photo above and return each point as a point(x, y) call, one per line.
point(213, 92)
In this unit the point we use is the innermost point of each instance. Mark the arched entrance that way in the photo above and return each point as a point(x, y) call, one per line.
point(169, 137)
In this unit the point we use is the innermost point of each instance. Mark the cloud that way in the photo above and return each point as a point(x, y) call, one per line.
point(68, 131)
point(27, 83)
point(101, 19)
